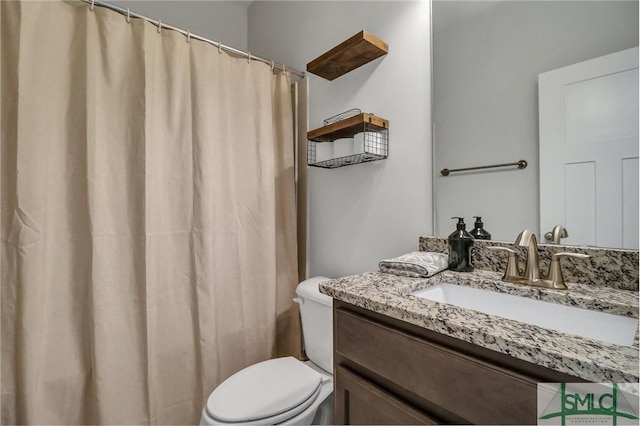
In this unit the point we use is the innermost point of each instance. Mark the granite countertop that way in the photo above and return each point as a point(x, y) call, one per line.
point(588, 359)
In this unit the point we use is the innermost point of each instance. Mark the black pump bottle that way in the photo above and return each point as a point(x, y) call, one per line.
point(478, 232)
point(460, 243)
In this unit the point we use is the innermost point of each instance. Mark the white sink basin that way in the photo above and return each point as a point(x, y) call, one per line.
point(609, 328)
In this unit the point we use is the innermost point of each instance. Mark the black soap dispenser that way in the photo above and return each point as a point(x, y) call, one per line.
point(460, 243)
point(478, 232)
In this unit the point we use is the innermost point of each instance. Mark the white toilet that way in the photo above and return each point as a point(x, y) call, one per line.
point(284, 390)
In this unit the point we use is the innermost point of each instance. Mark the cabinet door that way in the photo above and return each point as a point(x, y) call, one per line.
point(360, 402)
point(472, 389)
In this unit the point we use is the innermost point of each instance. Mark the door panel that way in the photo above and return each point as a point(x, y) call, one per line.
point(580, 190)
point(602, 109)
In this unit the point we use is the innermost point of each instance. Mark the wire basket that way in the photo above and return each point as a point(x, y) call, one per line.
point(365, 136)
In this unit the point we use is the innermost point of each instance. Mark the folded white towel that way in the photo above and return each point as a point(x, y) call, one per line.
point(417, 264)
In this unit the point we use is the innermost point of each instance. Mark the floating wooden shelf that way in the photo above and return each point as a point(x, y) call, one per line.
point(374, 142)
point(358, 50)
point(348, 128)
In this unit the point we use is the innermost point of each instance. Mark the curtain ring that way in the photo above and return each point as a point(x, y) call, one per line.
point(248, 57)
point(220, 47)
point(128, 15)
point(159, 25)
point(92, 5)
point(188, 36)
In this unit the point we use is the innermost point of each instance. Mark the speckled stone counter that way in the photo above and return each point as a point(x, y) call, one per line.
point(618, 268)
point(578, 356)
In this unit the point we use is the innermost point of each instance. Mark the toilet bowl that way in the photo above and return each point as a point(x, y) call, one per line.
point(277, 391)
point(284, 390)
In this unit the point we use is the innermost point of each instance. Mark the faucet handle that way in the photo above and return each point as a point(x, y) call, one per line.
point(555, 269)
point(512, 262)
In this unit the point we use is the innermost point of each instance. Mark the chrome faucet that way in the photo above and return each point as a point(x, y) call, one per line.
point(554, 278)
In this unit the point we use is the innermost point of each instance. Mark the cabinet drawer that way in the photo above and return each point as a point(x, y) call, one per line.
point(360, 402)
point(480, 393)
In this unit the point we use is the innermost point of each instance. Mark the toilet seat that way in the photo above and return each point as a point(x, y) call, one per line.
point(269, 392)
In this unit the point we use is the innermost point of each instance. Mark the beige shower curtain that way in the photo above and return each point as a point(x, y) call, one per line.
point(148, 217)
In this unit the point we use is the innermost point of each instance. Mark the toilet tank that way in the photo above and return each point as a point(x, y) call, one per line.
point(316, 311)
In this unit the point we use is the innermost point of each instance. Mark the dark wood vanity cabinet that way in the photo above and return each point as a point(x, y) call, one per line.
point(391, 372)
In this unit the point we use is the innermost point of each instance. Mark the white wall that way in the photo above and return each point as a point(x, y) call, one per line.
point(363, 213)
point(224, 21)
point(486, 99)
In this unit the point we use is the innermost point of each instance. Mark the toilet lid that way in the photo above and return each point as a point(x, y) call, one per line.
point(266, 389)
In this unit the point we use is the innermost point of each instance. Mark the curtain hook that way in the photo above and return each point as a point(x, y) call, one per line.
point(92, 5)
point(159, 25)
point(188, 36)
point(284, 69)
point(248, 57)
point(128, 15)
point(220, 47)
point(273, 65)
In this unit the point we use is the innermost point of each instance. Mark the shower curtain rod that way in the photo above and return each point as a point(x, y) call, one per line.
point(158, 23)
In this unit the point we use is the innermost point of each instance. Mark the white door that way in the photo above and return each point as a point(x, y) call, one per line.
point(589, 150)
